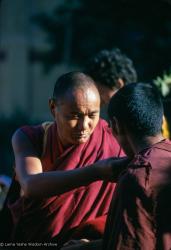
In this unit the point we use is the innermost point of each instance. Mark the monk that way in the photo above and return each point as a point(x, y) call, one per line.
point(53, 165)
point(139, 215)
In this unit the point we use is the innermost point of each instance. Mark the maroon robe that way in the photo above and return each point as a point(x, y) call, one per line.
point(140, 213)
point(44, 219)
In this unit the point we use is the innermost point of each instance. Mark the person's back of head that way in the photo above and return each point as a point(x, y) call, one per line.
point(107, 66)
point(139, 108)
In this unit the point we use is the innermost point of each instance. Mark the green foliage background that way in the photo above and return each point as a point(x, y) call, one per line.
point(76, 30)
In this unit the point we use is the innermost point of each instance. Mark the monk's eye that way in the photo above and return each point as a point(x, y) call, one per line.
point(73, 117)
point(92, 116)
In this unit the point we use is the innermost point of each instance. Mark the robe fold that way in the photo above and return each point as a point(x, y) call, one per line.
point(140, 213)
point(44, 219)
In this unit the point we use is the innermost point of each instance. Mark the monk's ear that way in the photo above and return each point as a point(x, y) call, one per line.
point(120, 83)
point(115, 126)
point(52, 106)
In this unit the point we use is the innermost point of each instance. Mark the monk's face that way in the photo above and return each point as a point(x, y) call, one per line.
point(77, 115)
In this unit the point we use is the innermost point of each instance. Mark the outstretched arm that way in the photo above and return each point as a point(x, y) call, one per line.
point(35, 182)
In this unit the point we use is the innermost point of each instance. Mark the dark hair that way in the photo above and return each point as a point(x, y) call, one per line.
point(70, 81)
point(139, 107)
point(110, 65)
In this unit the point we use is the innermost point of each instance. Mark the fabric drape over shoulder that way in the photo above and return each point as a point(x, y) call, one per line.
point(47, 218)
point(140, 213)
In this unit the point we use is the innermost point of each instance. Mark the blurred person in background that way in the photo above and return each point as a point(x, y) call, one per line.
point(111, 70)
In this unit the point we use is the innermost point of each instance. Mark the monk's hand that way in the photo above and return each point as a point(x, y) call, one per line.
point(110, 169)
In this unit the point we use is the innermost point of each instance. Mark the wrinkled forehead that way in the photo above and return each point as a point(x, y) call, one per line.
point(82, 96)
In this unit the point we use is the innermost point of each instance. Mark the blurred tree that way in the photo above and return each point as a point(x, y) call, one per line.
point(78, 29)
point(164, 85)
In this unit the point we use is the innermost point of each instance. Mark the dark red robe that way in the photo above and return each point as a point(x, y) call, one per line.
point(140, 213)
point(43, 219)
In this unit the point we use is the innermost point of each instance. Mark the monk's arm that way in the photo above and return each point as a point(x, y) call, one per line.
point(35, 182)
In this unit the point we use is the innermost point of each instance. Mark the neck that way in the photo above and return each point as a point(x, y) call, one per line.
point(148, 141)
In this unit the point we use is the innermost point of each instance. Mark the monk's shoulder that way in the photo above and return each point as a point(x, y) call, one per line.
point(34, 133)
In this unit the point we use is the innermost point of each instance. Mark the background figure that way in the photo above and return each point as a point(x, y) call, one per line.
point(111, 70)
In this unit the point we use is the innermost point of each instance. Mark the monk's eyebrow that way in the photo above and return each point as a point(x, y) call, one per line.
point(94, 112)
point(80, 113)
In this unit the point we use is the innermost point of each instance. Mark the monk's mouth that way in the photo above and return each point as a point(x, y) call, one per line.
point(81, 135)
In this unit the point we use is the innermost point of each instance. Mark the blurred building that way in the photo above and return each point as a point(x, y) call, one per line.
point(23, 85)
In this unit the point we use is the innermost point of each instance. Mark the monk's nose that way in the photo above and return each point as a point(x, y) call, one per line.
point(84, 124)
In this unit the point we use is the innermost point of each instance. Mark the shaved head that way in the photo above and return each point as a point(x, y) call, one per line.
point(71, 82)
